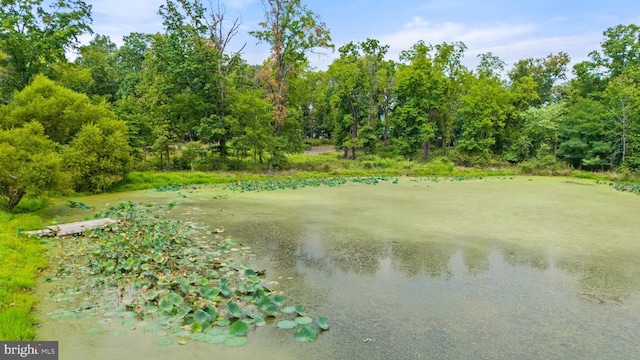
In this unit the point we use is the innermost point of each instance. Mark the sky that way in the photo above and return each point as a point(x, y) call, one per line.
point(510, 29)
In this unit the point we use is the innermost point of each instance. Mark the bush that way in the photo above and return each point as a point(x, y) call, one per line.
point(99, 156)
point(546, 166)
point(29, 163)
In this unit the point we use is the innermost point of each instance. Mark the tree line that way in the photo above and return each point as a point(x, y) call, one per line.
point(85, 123)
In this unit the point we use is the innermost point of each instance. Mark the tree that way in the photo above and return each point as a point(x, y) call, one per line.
point(129, 63)
point(61, 111)
point(30, 164)
point(620, 50)
point(421, 100)
point(622, 100)
point(212, 34)
point(357, 82)
point(484, 109)
point(99, 156)
point(34, 38)
point(98, 58)
point(292, 30)
point(545, 72)
point(347, 98)
point(252, 123)
point(541, 131)
point(583, 139)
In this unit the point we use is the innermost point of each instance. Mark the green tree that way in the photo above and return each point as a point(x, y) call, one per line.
point(421, 100)
point(540, 133)
point(545, 72)
point(620, 50)
point(358, 83)
point(30, 164)
point(99, 156)
point(98, 58)
point(622, 99)
point(129, 63)
point(252, 120)
point(347, 98)
point(484, 109)
point(34, 37)
point(583, 140)
point(61, 111)
point(292, 31)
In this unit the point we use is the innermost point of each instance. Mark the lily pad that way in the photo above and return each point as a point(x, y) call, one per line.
point(197, 336)
point(322, 322)
point(304, 320)
point(234, 310)
point(235, 341)
point(300, 310)
point(218, 339)
point(289, 310)
point(201, 316)
point(214, 331)
point(286, 324)
point(209, 293)
point(259, 321)
point(93, 330)
point(249, 272)
point(223, 322)
point(239, 328)
point(151, 328)
point(278, 300)
point(119, 333)
point(305, 333)
point(165, 304)
point(165, 342)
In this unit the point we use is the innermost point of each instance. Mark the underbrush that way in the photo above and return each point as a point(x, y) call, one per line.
point(22, 260)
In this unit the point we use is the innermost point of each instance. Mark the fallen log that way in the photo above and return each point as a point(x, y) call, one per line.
point(73, 228)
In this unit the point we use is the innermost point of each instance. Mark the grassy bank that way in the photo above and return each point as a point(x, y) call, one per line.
point(331, 164)
point(309, 166)
point(22, 259)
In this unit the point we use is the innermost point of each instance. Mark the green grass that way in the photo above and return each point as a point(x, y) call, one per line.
point(22, 259)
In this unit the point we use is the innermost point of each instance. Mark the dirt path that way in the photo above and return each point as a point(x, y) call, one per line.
point(315, 150)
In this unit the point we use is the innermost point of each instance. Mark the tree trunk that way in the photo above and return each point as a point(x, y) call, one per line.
point(386, 126)
point(168, 159)
point(426, 146)
point(15, 195)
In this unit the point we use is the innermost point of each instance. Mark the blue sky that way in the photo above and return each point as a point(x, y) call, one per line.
point(510, 29)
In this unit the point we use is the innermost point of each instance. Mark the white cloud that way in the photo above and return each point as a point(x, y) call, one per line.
point(509, 41)
point(435, 33)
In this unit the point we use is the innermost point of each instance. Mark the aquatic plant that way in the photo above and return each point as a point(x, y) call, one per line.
point(296, 183)
point(167, 271)
point(626, 187)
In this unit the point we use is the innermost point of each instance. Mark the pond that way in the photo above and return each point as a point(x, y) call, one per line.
point(490, 268)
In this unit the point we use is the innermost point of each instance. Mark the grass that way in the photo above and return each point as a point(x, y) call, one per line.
point(309, 166)
point(332, 164)
point(22, 259)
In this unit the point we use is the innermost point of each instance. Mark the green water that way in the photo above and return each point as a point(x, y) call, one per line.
point(498, 269)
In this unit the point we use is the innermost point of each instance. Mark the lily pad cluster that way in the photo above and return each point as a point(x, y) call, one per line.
point(164, 270)
point(626, 187)
point(280, 184)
